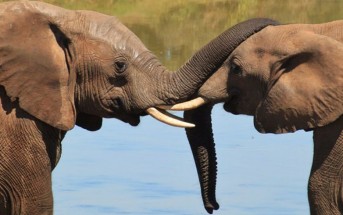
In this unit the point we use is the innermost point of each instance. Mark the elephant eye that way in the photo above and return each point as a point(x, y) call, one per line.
point(235, 69)
point(120, 66)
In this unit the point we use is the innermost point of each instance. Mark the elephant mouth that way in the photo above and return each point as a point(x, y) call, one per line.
point(133, 120)
point(232, 103)
point(231, 106)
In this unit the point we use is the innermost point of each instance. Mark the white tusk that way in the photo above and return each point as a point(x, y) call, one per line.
point(189, 105)
point(165, 117)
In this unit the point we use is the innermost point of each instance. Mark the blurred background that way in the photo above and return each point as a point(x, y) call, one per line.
point(174, 30)
point(149, 169)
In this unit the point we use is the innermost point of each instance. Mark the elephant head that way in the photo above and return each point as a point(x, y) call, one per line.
point(289, 77)
point(288, 82)
point(76, 67)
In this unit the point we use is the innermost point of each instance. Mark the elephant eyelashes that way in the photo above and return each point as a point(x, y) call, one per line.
point(235, 69)
point(120, 66)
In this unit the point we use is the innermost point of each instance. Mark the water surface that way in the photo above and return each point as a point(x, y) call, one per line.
point(149, 169)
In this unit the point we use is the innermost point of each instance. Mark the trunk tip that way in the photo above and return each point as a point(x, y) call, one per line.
point(210, 207)
point(209, 210)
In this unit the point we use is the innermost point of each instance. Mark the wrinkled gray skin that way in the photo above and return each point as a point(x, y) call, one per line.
point(60, 68)
point(289, 77)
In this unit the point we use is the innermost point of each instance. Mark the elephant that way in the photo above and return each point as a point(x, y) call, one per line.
point(60, 68)
point(288, 77)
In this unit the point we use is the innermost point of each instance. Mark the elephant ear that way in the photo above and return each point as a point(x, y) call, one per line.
point(34, 70)
point(305, 88)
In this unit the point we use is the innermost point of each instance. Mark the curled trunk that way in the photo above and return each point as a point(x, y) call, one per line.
point(173, 87)
point(188, 79)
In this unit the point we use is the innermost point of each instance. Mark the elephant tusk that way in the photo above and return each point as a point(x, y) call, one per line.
point(165, 117)
point(189, 105)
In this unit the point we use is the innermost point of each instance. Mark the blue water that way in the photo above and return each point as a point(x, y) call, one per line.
point(149, 170)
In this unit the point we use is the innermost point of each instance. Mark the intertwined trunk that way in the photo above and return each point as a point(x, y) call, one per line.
point(188, 79)
point(211, 57)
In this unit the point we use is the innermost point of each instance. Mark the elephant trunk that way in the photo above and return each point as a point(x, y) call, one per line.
point(179, 86)
point(188, 79)
point(203, 149)
point(212, 56)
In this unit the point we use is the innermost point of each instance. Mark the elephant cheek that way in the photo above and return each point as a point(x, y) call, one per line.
point(219, 82)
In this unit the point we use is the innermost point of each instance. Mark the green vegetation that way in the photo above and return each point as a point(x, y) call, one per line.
point(174, 30)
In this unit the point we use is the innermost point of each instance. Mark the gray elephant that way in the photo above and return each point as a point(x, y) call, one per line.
point(60, 68)
point(289, 77)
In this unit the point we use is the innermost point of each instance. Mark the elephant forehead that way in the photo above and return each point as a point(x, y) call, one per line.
point(111, 30)
point(266, 42)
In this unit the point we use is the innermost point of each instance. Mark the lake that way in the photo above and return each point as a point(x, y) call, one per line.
point(149, 169)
